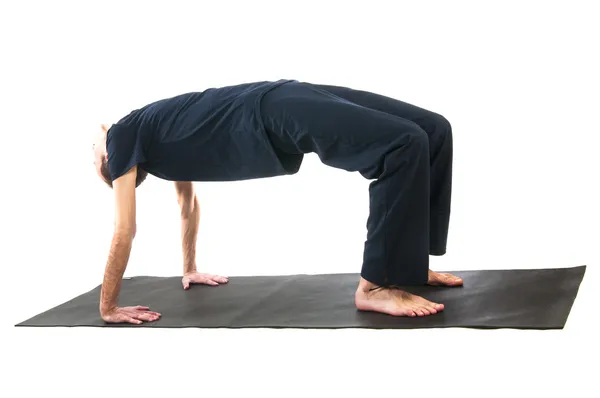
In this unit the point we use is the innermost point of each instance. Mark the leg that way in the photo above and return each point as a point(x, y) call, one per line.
point(439, 131)
point(394, 153)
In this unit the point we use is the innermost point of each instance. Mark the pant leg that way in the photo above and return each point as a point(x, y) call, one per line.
point(439, 132)
point(390, 150)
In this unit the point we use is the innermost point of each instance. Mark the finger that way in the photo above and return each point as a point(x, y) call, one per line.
point(141, 308)
point(206, 281)
point(129, 319)
point(154, 313)
point(151, 316)
point(220, 279)
point(146, 317)
point(136, 313)
point(186, 284)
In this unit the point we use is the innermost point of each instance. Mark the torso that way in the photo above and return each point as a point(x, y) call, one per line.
point(214, 135)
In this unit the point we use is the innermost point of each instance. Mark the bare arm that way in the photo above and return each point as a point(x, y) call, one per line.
point(124, 190)
point(190, 219)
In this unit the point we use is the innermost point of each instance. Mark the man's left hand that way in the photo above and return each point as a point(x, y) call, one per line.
point(203, 279)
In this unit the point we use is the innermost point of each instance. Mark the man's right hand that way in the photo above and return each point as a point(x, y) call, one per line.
point(135, 315)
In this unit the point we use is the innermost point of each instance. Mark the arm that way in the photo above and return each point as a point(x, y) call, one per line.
point(190, 219)
point(124, 190)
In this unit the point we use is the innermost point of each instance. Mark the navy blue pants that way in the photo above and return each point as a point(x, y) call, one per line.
point(404, 149)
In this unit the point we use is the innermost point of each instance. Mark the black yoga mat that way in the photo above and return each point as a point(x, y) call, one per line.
point(522, 299)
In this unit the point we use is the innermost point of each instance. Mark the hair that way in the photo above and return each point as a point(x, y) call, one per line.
point(141, 174)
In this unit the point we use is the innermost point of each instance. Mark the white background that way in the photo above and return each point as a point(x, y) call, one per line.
point(518, 81)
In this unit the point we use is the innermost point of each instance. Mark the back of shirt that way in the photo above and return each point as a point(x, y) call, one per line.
point(214, 135)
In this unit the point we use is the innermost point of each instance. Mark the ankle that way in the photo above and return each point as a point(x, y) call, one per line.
point(364, 286)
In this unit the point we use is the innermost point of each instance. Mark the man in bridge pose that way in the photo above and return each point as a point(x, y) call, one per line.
point(263, 129)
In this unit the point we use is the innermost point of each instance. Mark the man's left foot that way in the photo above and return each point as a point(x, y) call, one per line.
point(440, 279)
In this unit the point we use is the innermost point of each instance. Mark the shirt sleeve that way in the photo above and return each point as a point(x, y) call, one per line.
point(125, 150)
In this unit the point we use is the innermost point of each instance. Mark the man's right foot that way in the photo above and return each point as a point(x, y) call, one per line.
point(391, 301)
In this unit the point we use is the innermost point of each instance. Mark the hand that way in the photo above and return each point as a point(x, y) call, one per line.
point(133, 315)
point(204, 279)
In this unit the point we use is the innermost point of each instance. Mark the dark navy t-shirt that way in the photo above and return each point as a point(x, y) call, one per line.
point(214, 135)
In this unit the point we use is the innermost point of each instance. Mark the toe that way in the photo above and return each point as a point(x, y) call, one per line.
point(458, 281)
point(452, 280)
point(432, 309)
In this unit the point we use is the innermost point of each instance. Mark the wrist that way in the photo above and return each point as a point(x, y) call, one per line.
point(189, 269)
point(106, 309)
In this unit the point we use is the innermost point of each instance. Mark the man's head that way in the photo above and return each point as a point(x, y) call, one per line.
point(101, 158)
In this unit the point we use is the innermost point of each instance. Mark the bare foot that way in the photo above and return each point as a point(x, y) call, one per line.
point(392, 301)
point(438, 279)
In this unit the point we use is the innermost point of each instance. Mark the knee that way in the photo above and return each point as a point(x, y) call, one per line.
point(442, 124)
point(417, 137)
point(414, 144)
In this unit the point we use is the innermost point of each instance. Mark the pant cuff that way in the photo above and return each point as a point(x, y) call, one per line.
point(437, 252)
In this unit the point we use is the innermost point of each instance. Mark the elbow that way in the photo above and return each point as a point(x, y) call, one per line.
point(188, 207)
point(124, 234)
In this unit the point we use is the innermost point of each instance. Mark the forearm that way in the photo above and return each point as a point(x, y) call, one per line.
point(115, 268)
point(190, 220)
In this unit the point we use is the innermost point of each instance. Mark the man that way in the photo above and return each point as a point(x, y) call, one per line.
point(263, 129)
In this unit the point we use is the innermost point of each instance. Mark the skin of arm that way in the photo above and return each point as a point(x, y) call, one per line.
point(190, 219)
point(125, 224)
